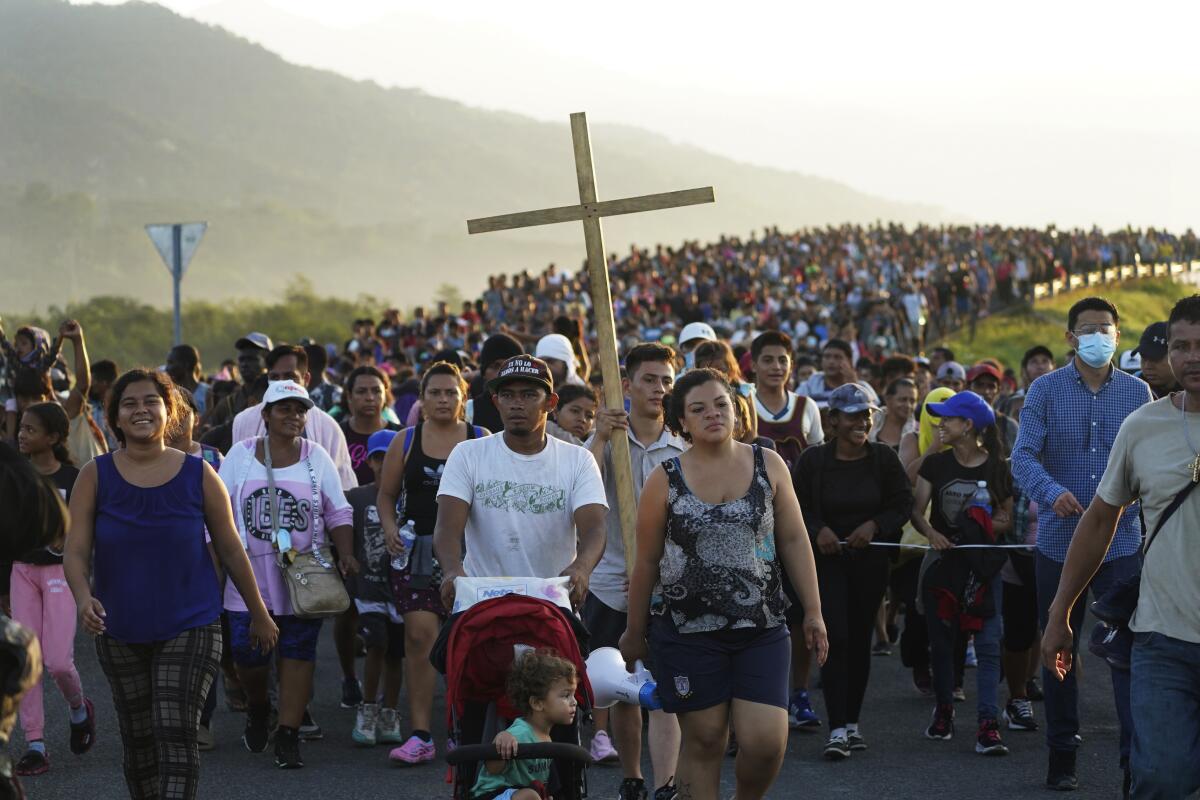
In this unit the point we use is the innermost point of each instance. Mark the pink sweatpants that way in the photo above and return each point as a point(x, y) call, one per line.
point(42, 602)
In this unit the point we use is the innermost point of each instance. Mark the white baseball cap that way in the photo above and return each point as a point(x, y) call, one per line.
point(697, 330)
point(286, 390)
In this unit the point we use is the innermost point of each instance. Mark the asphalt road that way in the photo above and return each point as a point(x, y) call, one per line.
point(899, 764)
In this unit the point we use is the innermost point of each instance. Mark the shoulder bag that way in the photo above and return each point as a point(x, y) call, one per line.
point(314, 584)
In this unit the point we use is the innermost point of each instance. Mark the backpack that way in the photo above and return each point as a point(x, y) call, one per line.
point(84, 439)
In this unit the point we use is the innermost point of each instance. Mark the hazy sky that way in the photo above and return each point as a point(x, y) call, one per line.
point(1023, 112)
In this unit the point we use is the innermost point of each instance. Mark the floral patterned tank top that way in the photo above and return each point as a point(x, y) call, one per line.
point(718, 569)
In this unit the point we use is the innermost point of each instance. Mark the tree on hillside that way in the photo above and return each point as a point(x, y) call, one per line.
point(449, 294)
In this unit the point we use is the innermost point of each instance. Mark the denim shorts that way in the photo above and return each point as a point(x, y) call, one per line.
point(695, 671)
point(297, 639)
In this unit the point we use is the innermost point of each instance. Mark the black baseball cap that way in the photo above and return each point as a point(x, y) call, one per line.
point(1153, 344)
point(1036, 350)
point(523, 368)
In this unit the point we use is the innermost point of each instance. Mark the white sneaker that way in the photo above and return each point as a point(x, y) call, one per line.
point(388, 727)
point(365, 723)
point(602, 749)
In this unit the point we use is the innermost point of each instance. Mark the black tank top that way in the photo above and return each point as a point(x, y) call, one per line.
point(422, 476)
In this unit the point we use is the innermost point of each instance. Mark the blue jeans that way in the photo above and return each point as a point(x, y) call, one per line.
point(1062, 698)
point(1166, 705)
point(987, 652)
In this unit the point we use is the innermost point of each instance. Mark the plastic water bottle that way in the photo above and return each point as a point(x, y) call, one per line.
point(408, 535)
point(982, 498)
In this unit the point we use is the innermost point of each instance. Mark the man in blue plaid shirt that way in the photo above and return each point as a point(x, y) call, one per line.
point(1070, 419)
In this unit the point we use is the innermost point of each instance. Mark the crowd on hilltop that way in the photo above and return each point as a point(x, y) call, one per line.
point(876, 283)
point(806, 462)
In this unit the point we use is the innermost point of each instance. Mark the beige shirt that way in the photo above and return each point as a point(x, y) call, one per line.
point(1151, 460)
point(608, 581)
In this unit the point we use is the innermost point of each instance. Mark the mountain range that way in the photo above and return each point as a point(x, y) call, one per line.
point(112, 117)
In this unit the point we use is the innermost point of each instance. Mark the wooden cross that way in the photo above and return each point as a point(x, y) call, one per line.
point(589, 211)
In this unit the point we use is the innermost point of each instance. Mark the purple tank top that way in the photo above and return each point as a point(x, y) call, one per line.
point(153, 573)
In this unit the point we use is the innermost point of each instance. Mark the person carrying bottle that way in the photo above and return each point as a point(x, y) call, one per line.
point(413, 469)
point(971, 476)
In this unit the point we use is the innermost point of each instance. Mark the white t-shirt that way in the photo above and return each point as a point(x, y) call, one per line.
point(521, 522)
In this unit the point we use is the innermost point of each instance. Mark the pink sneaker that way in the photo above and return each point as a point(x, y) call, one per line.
point(414, 751)
point(602, 750)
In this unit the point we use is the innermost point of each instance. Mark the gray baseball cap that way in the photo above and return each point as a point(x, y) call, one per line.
point(952, 370)
point(850, 398)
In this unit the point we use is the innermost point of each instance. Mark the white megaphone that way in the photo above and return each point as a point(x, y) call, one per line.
point(612, 684)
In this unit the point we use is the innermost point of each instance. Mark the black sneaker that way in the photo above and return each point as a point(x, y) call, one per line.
point(32, 763)
point(881, 649)
point(855, 740)
point(352, 695)
point(287, 749)
point(632, 789)
point(1019, 715)
point(837, 748)
point(257, 733)
point(942, 726)
point(83, 735)
point(988, 741)
point(310, 731)
point(1034, 691)
point(667, 791)
point(1061, 774)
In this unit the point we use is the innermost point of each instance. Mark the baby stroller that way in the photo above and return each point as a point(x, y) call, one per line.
point(475, 652)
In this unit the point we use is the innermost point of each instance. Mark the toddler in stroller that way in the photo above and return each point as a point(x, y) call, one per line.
point(476, 652)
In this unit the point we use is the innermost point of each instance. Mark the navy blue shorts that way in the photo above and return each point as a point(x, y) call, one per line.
point(695, 671)
point(297, 639)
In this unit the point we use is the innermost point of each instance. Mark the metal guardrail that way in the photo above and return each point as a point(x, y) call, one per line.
point(1112, 275)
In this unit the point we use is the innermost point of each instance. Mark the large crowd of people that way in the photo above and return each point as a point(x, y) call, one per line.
point(815, 483)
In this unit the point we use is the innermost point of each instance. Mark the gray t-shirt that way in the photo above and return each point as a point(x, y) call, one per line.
point(1151, 460)
point(608, 579)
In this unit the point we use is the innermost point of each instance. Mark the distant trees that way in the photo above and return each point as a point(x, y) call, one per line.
point(136, 334)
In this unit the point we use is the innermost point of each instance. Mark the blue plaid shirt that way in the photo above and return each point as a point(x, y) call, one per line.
point(1066, 434)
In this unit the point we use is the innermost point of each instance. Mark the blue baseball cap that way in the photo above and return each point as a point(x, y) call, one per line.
point(851, 398)
point(379, 441)
point(966, 405)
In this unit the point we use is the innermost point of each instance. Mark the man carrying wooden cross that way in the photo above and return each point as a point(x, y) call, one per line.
point(649, 375)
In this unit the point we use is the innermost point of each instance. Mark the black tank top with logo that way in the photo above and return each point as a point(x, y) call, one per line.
point(422, 476)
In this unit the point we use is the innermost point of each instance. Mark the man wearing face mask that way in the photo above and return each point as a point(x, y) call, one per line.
point(692, 336)
point(1068, 425)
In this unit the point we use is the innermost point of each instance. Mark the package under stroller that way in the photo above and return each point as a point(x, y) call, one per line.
point(475, 652)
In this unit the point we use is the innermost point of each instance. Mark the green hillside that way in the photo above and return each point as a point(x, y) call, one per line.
point(115, 116)
point(1007, 336)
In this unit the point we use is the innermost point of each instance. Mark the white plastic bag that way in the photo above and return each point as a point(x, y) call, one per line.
point(469, 591)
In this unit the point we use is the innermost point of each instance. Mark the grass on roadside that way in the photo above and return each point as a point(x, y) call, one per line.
point(1006, 336)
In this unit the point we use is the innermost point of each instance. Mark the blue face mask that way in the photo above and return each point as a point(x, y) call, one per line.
point(1096, 349)
point(689, 361)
